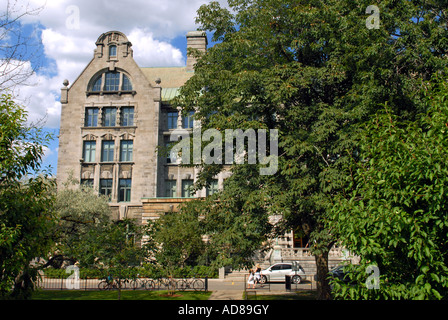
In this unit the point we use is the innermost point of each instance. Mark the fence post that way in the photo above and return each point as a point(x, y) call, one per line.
point(206, 284)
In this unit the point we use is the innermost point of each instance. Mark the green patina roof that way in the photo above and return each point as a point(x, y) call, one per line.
point(169, 94)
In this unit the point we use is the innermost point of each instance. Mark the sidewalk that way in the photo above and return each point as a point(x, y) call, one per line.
point(226, 295)
point(225, 290)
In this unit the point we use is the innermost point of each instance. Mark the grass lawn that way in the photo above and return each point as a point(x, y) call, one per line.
point(113, 295)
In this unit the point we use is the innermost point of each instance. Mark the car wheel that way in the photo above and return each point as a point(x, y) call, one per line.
point(263, 279)
point(296, 279)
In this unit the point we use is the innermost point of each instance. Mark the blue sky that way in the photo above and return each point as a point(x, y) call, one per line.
point(68, 30)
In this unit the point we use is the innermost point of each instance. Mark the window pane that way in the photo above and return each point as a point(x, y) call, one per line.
point(187, 122)
point(87, 182)
point(171, 157)
point(127, 86)
point(112, 81)
point(91, 117)
point(124, 190)
point(126, 150)
point(170, 191)
point(187, 188)
point(106, 187)
point(212, 188)
point(127, 116)
point(112, 51)
point(109, 117)
point(107, 154)
point(172, 120)
point(89, 151)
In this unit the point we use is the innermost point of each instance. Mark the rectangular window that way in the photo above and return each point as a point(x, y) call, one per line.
point(170, 156)
point(106, 187)
point(212, 188)
point(170, 188)
point(113, 51)
point(87, 182)
point(89, 151)
point(109, 117)
point(187, 121)
point(112, 81)
point(91, 117)
point(127, 116)
point(107, 154)
point(187, 188)
point(172, 120)
point(124, 190)
point(126, 147)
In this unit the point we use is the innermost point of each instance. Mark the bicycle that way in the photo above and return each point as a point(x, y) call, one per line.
point(166, 283)
point(143, 284)
point(195, 284)
point(107, 284)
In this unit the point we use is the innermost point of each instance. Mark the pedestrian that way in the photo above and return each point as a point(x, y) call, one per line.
point(257, 274)
point(251, 280)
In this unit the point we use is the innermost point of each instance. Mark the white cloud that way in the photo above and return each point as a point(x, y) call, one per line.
point(151, 52)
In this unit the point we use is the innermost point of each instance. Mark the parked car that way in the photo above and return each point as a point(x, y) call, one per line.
point(279, 271)
point(338, 272)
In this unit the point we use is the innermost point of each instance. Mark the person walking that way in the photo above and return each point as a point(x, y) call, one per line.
point(257, 274)
point(251, 280)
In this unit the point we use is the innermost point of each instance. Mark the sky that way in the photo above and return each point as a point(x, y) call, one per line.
point(68, 30)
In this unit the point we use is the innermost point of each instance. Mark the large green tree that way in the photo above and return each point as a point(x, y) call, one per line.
point(26, 199)
point(311, 69)
point(396, 216)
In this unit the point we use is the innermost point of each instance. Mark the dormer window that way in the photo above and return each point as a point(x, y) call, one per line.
point(110, 81)
point(112, 51)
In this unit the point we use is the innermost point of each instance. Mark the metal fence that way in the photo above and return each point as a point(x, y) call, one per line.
point(187, 284)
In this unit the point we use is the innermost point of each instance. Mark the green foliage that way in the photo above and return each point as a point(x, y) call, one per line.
point(26, 216)
point(312, 70)
point(82, 216)
point(177, 238)
point(118, 245)
point(396, 215)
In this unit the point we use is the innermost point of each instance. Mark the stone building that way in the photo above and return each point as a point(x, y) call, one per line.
point(113, 118)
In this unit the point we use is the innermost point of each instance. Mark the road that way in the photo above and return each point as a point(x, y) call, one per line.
point(218, 284)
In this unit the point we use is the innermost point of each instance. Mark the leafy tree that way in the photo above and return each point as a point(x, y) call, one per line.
point(26, 216)
point(311, 70)
point(396, 215)
point(178, 239)
point(82, 215)
point(119, 247)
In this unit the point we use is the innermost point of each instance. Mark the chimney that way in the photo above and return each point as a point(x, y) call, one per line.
point(195, 40)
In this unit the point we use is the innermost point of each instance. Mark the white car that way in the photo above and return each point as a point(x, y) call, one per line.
point(279, 271)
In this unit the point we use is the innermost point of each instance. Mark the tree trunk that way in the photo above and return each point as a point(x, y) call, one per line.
point(323, 285)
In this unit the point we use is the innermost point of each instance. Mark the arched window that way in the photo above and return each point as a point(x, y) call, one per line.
point(110, 81)
point(113, 51)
